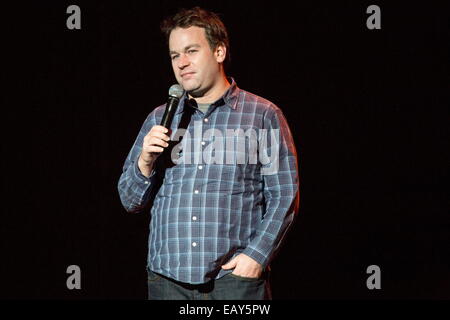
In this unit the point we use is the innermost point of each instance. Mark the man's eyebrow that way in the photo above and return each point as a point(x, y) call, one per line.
point(186, 48)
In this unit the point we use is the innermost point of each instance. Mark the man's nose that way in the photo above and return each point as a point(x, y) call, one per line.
point(183, 61)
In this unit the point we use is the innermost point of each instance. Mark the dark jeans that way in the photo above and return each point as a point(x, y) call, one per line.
point(229, 287)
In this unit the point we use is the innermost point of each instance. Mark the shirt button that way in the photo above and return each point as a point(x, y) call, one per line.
point(200, 167)
point(146, 182)
point(194, 244)
point(203, 143)
point(206, 120)
point(196, 191)
point(194, 218)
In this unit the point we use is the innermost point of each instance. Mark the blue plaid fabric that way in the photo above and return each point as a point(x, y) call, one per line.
point(205, 212)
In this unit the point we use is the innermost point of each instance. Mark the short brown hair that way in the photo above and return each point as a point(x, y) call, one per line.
point(215, 31)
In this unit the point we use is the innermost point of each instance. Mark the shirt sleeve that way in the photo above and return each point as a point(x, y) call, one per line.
point(134, 188)
point(281, 189)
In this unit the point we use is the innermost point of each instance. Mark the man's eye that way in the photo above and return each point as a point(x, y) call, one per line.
point(174, 57)
point(192, 51)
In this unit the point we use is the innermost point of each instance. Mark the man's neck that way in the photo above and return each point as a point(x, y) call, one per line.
point(215, 93)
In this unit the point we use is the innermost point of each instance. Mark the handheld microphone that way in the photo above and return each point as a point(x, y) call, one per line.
point(175, 93)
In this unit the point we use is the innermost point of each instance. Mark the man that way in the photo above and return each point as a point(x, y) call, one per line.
point(217, 215)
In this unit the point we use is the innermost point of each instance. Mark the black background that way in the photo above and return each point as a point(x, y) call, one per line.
point(368, 110)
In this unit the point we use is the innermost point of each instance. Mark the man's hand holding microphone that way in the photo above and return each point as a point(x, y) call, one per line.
point(154, 143)
point(157, 139)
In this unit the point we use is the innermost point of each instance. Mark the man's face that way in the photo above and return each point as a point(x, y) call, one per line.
point(195, 65)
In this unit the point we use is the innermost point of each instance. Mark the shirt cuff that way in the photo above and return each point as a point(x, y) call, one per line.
point(140, 179)
point(257, 256)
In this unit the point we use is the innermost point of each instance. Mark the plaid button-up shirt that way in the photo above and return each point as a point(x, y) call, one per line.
point(209, 201)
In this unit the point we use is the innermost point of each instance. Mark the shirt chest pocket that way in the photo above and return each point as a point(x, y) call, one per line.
point(231, 150)
point(235, 179)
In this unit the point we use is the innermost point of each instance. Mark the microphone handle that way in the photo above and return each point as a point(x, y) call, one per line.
point(171, 107)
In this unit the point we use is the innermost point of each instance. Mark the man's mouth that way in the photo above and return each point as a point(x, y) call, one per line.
point(187, 74)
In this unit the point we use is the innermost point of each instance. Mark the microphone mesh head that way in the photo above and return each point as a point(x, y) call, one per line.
point(176, 91)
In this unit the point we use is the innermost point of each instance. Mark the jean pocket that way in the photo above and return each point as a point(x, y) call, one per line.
point(152, 276)
point(245, 278)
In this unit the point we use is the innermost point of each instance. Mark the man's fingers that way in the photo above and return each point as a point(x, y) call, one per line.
point(231, 264)
point(159, 135)
point(159, 128)
point(154, 141)
point(154, 149)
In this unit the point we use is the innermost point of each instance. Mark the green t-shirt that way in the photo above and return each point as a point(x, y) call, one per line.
point(203, 107)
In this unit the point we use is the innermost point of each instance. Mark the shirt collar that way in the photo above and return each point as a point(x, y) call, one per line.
point(229, 98)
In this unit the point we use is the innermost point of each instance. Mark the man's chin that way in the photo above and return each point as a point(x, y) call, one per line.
point(188, 86)
point(194, 91)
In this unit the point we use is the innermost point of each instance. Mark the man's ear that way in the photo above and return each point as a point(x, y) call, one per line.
point(221, 53)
